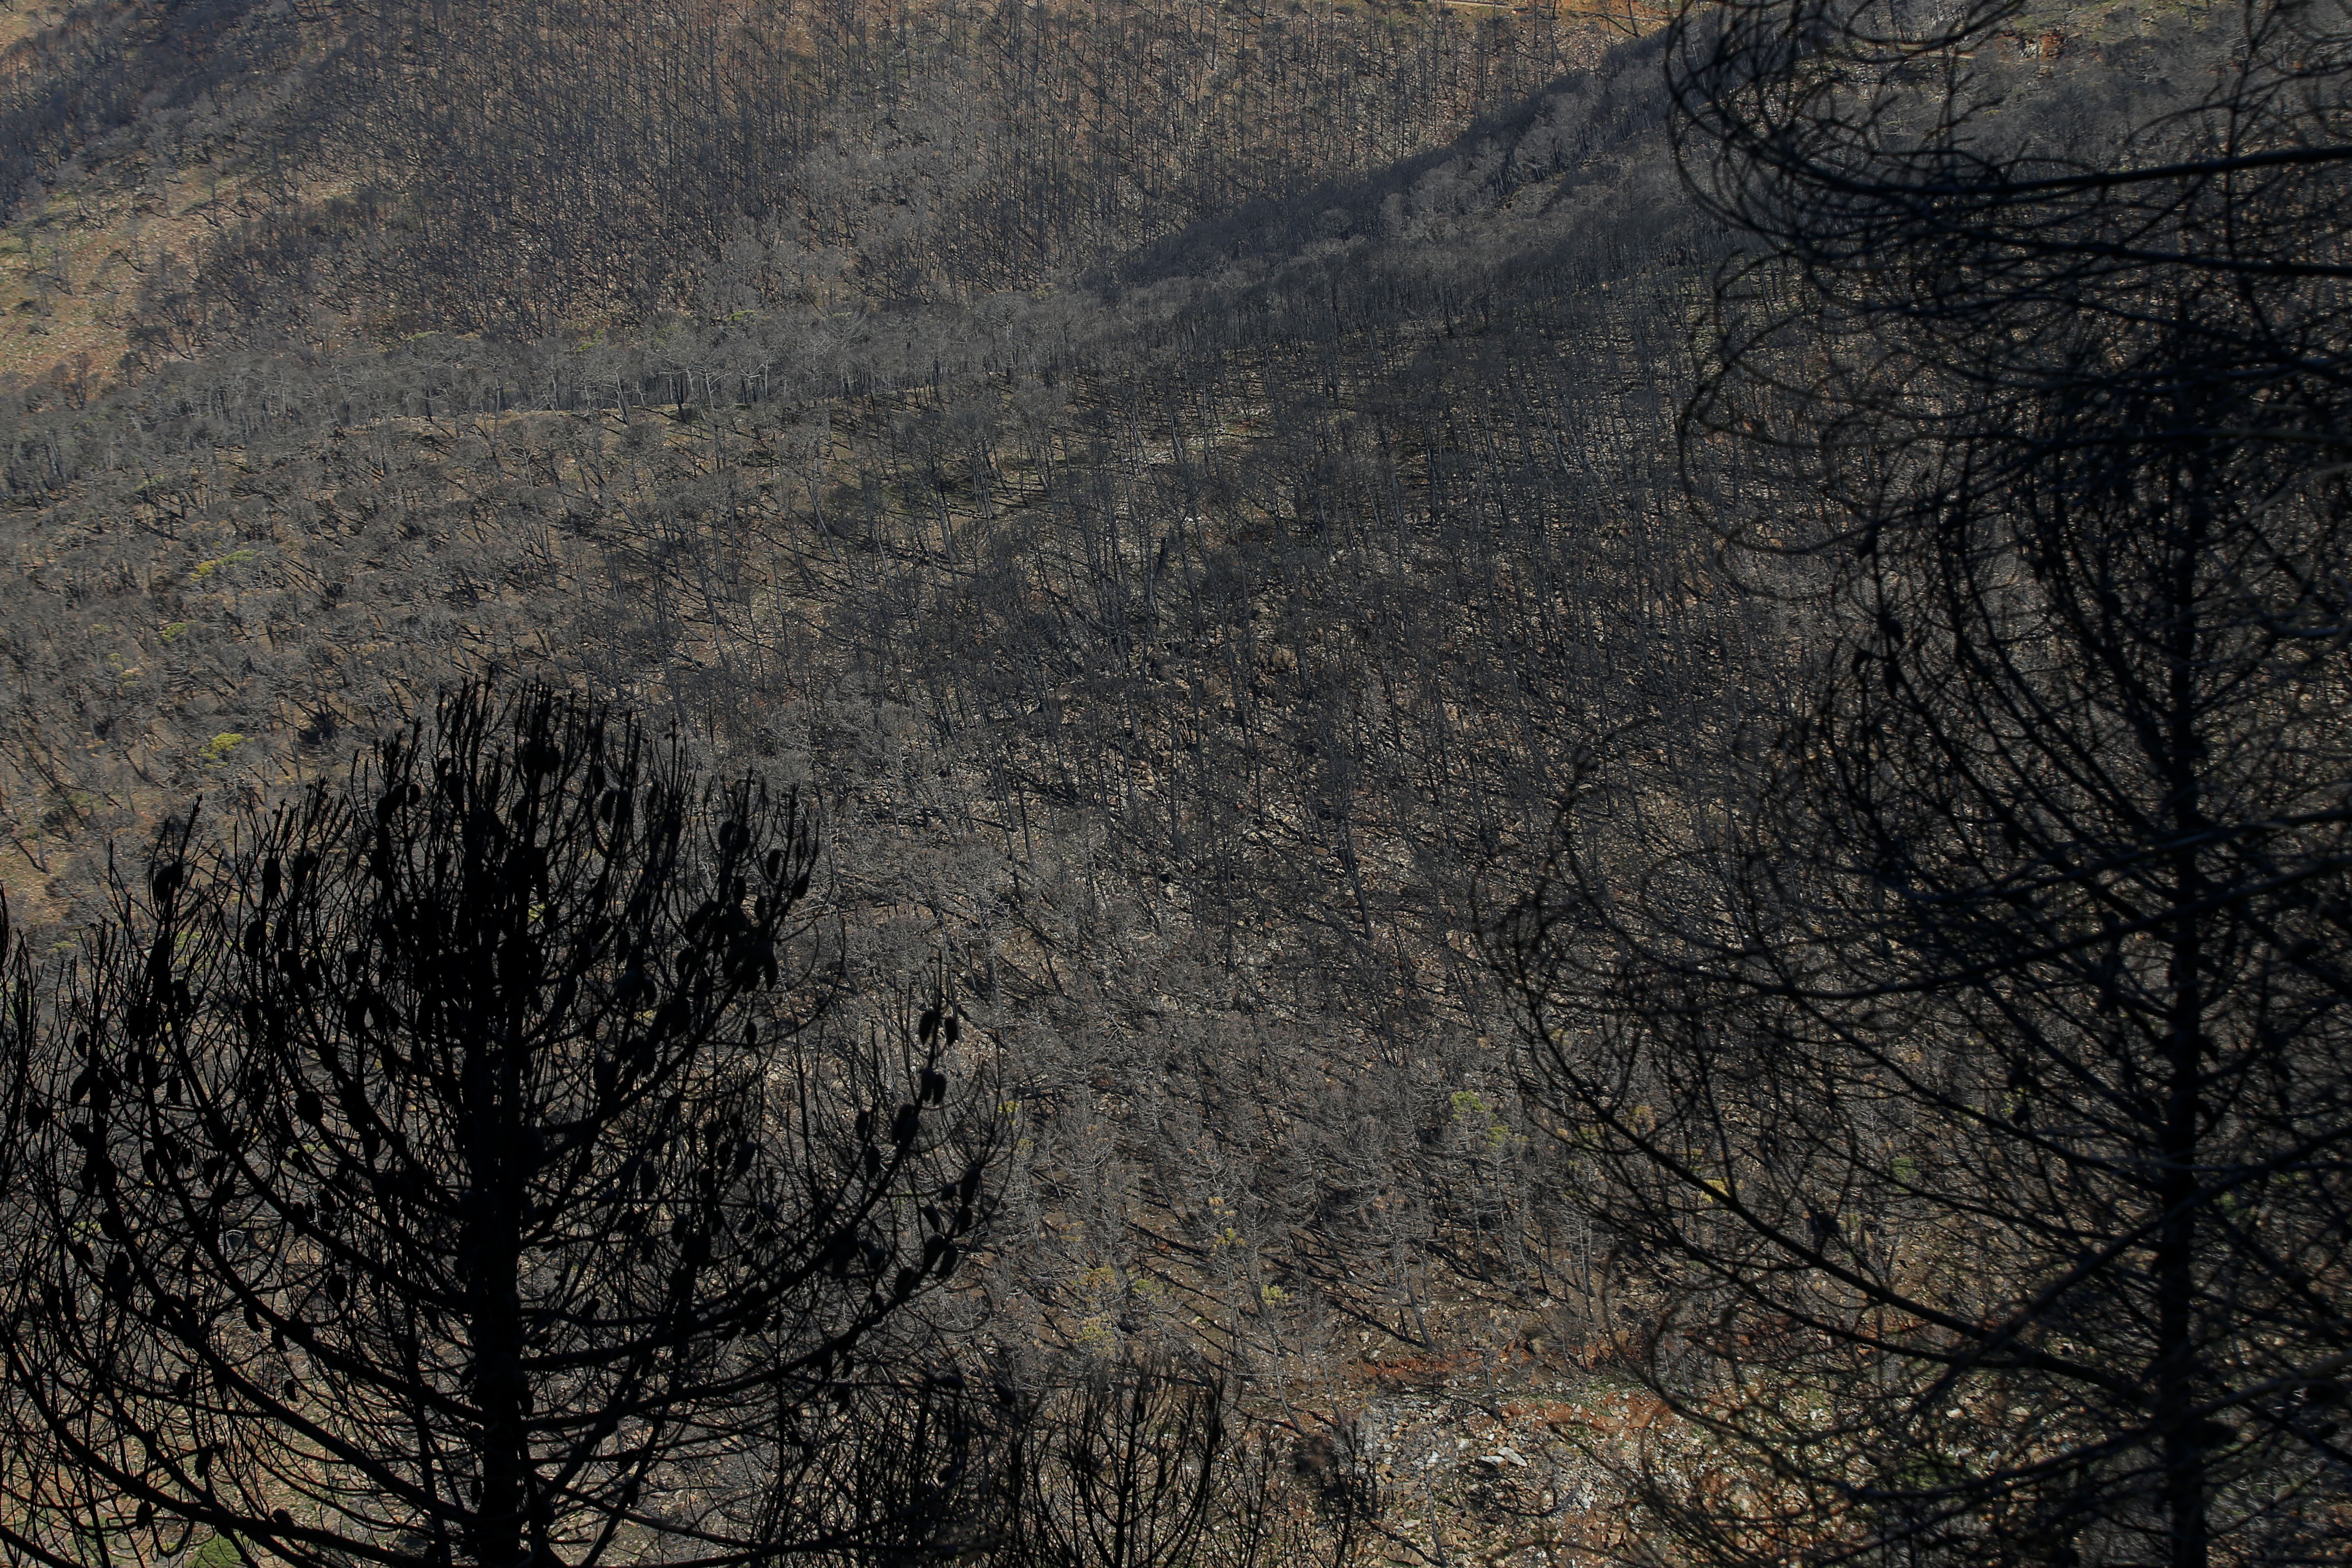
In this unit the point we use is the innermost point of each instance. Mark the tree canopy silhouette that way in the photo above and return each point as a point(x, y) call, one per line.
point(1969, 1078)
point(451, 1166)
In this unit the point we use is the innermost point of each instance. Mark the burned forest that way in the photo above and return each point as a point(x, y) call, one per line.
point(1178, 784)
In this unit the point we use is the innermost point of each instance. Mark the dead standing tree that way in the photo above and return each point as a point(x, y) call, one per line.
point(1119, 1467)
point(453, 1171)
point(1973, 1079)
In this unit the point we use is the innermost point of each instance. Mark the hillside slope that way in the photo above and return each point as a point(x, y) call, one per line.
point(1184, 521)
point(187, 176)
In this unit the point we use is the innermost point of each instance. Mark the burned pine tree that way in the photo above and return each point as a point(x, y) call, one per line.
point(1970, 1078)
point(1121, 1467)
point(451, 1168)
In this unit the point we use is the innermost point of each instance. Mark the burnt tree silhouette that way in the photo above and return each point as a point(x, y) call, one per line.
point(1972, 1077)
point(18, 1012)
point(449, 1167)
point(1119, 1467)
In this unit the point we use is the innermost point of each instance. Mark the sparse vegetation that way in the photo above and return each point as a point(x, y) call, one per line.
point(1187, 488)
